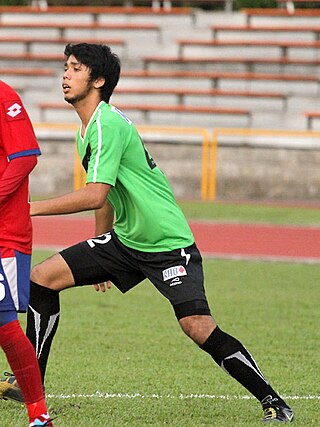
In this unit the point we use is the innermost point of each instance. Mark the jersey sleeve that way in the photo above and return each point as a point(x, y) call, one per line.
point(14, 175)
point(17, 135)
point(106, 145)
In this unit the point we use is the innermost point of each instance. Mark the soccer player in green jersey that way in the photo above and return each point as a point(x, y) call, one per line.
point(149, 237)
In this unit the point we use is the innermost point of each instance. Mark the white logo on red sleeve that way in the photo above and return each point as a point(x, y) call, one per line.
point(14, 110)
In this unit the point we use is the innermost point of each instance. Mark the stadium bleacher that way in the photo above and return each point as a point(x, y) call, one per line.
point(267, 81)
point(268, 32)
point(311, 117)
point(217, 62)
point(25, 45)
point(186, 96)
point(218, 66)
point(147, 110)
point(284, 46)
point(274, 15)
point(93, 12)
point(62, 30)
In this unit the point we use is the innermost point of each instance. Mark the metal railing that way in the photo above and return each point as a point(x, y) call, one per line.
point(290, 139)
point(158, 134)
point(208, 144)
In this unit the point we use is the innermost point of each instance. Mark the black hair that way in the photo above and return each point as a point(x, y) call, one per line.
point(101, 61)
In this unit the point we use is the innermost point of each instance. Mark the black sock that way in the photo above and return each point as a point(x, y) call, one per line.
point(232, 356)
point(42, 321)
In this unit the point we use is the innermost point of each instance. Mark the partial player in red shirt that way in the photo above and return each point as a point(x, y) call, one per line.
point(18, 156)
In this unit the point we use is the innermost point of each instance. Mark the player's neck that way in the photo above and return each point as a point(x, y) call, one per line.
point(85, 108)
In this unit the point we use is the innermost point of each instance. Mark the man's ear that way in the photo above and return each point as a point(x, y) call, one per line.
point(99, 82)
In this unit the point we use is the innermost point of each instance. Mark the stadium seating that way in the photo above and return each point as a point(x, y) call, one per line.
point(254, 14)
point(30, 82)
point(271, 31)
point(261, 74)
point(248, 63)
point(311, 116)
point(167, 4)
point(215, 77)
point(186, 96)
point(33, 59)
point(22, 77)
point(63, 29)
point(147, 109)
point(25, 72)
point(283, 45)
point(93, 11)
point(291, 4)
point(28, 42)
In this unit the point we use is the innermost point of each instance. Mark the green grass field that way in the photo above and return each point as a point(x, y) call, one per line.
point(264, 213)
point(123, 361)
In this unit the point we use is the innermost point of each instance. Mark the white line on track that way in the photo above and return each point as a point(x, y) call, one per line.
point(101, 395)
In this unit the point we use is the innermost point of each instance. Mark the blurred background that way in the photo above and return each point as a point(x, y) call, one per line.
point(225, 93)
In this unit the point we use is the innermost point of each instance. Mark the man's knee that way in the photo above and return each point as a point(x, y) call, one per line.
point(53, 273)
point(42, 275)
point(198, 327)
point(36, 274)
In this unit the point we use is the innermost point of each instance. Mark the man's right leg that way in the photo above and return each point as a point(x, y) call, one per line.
point(77, 265)
point(42, 322)
point(47, 280)
point(14, 287)
point(43, 312)
point(23, 362)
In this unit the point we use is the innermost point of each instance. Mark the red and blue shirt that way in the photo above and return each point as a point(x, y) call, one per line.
point(17, 139)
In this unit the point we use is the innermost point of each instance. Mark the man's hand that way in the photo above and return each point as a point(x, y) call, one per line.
point(102, 286)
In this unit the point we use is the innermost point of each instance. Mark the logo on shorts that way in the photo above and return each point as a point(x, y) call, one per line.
point(173, 272)
point(176, 281)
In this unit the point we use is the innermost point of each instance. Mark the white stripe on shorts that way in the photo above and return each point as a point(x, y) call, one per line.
point(10, 269)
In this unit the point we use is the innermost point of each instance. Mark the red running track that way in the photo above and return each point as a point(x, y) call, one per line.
point(221, 240)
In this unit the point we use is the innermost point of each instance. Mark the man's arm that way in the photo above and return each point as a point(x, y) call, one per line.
point(17, 170)
point(104, 218)
point(91, 197)
point(104, 222)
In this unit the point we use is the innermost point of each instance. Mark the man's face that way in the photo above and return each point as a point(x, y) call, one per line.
point(76, 85)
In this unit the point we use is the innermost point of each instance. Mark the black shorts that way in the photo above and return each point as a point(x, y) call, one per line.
point(177, 274)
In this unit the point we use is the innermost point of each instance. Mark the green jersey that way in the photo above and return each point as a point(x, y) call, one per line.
point(147, 216)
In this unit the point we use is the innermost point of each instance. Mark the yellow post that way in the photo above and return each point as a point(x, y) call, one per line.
point(205, 166)
point(208, 156)
point(79, 178)
point(213, 167)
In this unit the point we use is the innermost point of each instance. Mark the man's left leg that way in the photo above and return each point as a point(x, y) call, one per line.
point(234, 358)
point(23, 362)
point(14, 286)
point(183, 285)
point(43, 317)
